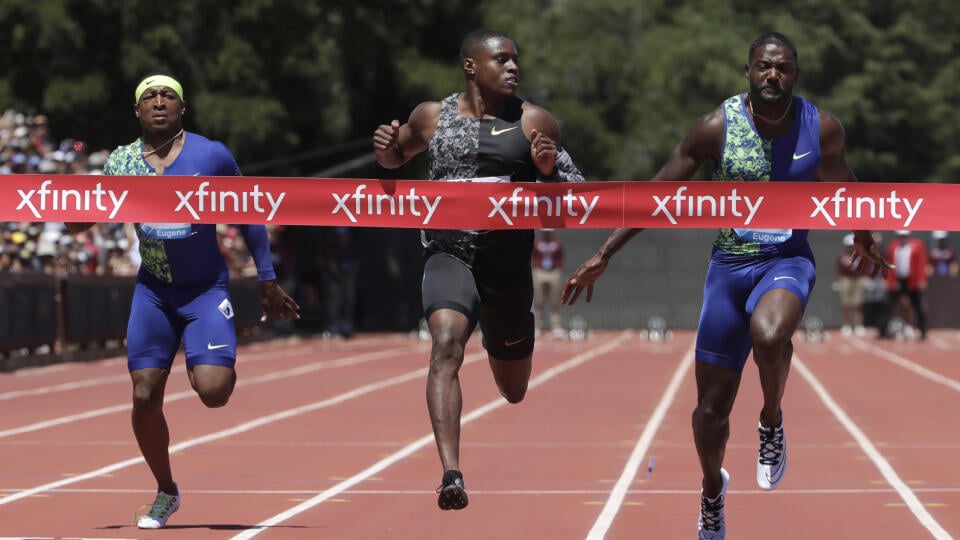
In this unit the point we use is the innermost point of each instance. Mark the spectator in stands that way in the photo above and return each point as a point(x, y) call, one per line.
point(547, 264)
point(40, 139)
point(341, 283)
point(27, 147)
point(850, 286)
point(943, 257)
point(907, 281)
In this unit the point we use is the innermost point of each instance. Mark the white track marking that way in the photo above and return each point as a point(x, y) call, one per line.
point(243, 382)
point(424, 441)
point(240, 428)
point(620, 489)
point(245, 358)
point(889, 474)
point(64, 387)
point(780, 492)
point(908, 365)
point(58, 538)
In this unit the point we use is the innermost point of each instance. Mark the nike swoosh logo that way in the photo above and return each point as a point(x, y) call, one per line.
point(495, 132)
point(196, 174)
point(211, 347)
point(778, 278)
point(509, 343)
point(803, 155)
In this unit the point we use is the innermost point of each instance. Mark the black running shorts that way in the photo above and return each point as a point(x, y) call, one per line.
point(500, 299)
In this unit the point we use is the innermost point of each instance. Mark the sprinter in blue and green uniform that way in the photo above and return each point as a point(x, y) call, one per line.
point(181, 294)
point(759, 281)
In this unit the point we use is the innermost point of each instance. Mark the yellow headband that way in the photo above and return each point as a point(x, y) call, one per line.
point(158, 80)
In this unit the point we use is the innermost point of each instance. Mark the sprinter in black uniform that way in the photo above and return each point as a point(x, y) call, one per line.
point(485, 134)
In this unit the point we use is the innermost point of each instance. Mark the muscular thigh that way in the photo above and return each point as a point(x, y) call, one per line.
point(448, 283)
point(153, 331)
point(506, 312)
point(796, 274)
point(723, 333)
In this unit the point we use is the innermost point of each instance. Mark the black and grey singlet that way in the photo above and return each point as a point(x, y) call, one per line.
point(491, 149)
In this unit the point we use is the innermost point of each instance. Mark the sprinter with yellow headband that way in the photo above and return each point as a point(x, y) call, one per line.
point(182, 288)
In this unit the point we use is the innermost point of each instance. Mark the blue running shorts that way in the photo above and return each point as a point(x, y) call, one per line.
point(733, 287)
point(162, 315)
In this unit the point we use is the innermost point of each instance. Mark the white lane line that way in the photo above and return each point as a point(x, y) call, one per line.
point(240, 428)
point(63, 387)
point(283, 348)
point(176, 396)
point(780, 492)
point(940, 343)
point(425, 440)
point(58, 538)
point(889, 474)
point(620, 489)
point(908, 365)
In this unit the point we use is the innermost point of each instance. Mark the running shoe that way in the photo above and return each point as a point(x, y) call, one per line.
point(453, 496)
point(163, 507)
point(772, 458)
point(711, 525)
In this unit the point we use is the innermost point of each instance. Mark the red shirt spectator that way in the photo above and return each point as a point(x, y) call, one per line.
point(909, 256)
point(943, 258)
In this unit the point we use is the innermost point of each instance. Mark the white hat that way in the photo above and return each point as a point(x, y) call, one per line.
point(848, 239)
point(937, 235)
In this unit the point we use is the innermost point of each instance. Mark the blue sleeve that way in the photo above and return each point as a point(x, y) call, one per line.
point(255, 236)
point(258, 242)
point(226, 164)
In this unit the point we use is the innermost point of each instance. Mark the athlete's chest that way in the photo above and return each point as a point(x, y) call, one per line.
point(503, 149)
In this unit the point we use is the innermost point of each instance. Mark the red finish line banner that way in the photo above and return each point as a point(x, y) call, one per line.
point(467, 205)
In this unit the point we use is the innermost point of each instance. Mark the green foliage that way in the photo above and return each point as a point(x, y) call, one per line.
point(626, 78)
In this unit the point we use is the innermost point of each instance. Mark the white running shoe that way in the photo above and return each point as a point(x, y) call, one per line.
point(163, 507)
point(772, 457)
point(710, 524)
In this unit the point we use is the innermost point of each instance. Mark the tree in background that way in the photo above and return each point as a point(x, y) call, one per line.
point(293, 86)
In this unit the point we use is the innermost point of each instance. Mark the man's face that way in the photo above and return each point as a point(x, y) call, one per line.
point(159, 109)
point(496, 66)
point(772, 72)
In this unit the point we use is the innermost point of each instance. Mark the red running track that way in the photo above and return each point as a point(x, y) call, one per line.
point(331, 439)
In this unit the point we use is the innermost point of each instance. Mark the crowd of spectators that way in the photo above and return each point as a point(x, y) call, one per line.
point(28, 147)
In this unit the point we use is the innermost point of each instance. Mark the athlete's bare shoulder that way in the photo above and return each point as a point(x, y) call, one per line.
point(536, 117)
point(705, 137)
point(423, 120)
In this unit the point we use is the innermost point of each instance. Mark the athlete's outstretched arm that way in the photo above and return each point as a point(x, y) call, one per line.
point(587, 273)
point(701, 143)
point(866, 255)
point(274, 301)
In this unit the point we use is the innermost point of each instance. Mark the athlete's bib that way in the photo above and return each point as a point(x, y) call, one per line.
point(764, 236)
point(166, 231)
point(482, 179)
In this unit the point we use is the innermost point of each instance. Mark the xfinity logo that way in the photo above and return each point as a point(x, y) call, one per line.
point(859, 207)
point(679, 205)
point(202, 200)
point(359, 203)
point(39, 200)
point(516, 206)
